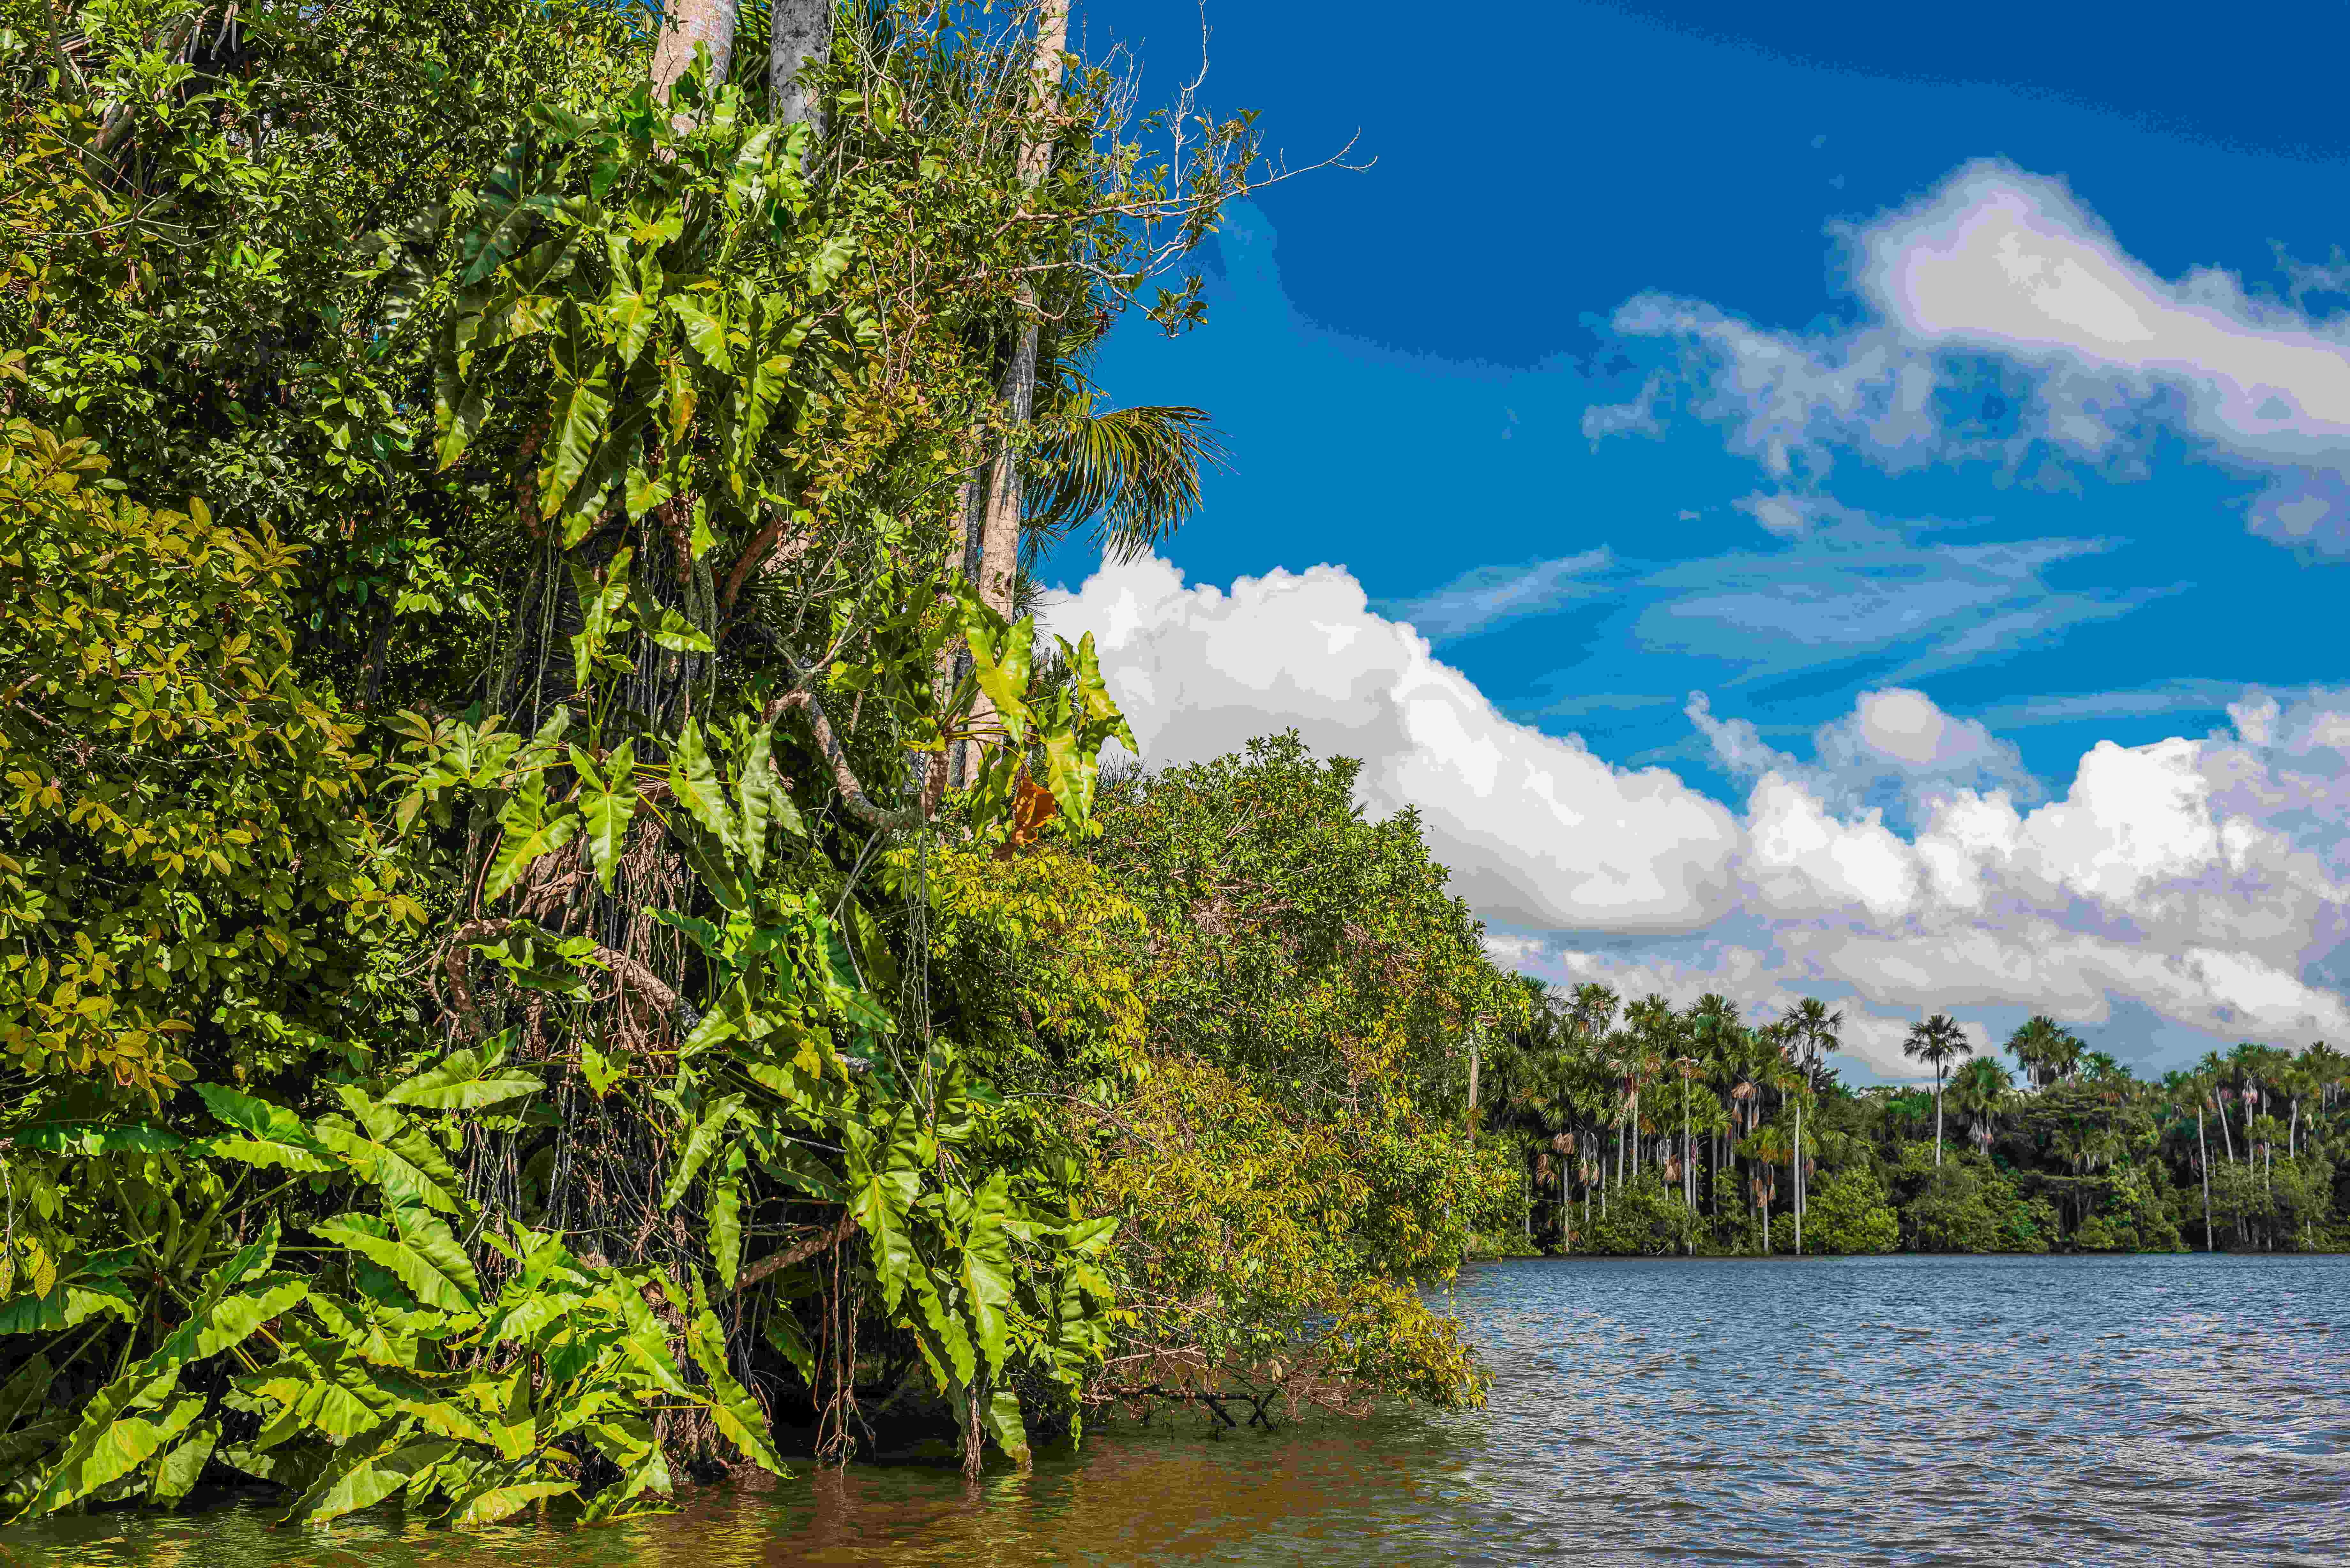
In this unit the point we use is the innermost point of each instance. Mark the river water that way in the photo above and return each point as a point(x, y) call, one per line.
point(1887, 1410)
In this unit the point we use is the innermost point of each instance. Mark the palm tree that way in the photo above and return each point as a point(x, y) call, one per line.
point(2044, 1050)
point(1814, 1030)
point(1938, 1042)
point(1689, 1067)
point(1982, 1089)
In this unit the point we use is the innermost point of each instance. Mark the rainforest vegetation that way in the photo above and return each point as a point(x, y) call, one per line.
point(560, 926)
point(1642, 1129)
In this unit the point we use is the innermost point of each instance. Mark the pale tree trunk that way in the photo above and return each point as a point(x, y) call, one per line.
point(684, 23)
point(2227, 1142)
point(2203, 1147)
point(1799, 1178)
point(991, 508)
point(999, 545)
point(803, 32)
point(1937, 1119)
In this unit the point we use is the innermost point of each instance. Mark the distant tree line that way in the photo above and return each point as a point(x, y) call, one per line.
point(1646, 1130)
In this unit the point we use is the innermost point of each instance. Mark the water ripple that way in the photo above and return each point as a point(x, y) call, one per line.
point(1892, 1411)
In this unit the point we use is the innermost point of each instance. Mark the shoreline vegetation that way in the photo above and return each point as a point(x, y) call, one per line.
point(1644, 1130)
point(558, 920)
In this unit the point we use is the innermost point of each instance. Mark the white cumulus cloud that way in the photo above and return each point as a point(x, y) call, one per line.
point(1539, 832)
point(2201, 879)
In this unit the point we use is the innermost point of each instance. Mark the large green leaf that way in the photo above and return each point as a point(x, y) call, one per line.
point(737, 1416)
point(726, 1216)
point(233, 1319)
point(111, 1440)
point(177, 1472)
point(985, 1273)
point(583, 409)
point(607, 803)
point(493, 1503)
point(385, 1147)
point(694, 781)
point(66, 1305)
point(368, 1469)
point(464, 1080)
point(419, 1250)
point(532, 828)
point(881, 1201)
point(1001, 1415)
point(273, 1134)
point(700, 1145)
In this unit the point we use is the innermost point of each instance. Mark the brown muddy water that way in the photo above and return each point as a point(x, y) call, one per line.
point(1888, 1410)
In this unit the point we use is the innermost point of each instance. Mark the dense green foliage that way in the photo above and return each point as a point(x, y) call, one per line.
point(1684, 1131)
point(549, 933)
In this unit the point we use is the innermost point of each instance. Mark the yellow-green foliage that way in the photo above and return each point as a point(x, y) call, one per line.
point(1045, 959)
point(185, 850)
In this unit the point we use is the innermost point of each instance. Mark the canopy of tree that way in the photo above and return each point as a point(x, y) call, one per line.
point(557, 925)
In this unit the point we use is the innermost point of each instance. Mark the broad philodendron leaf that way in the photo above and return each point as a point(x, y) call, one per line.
point(532, 828)
point(235, 1318)
point(419, 1250)
point(368, 1469)
point(464, 1080)
point(493, 1503)
point(383, 1146)
point(177, 1472)
point(881, 1201)
point(730, 1405)
point(726, 1216)
point(985, 1273)
point(111, 1440)
point(273, 1136)
point(694, 781)
point(783, 1331)
point(1001, 1416)
point(607, 803)
point(583, 409)
point(698, 1146)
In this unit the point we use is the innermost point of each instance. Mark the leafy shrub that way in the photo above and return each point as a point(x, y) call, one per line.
point(188, 871)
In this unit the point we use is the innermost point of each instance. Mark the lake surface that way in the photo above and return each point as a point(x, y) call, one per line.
point(1888, 1410)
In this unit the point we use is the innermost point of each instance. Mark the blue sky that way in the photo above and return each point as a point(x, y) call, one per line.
point(1618, 378)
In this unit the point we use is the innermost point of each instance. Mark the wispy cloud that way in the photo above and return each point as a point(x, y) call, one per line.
point(1770, 614)
point(2005, 321)
point(1488, 596)
point(2188, 696)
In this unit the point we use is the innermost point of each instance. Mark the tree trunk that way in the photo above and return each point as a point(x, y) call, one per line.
point(992, 552)
point(1937, 1119)
point(801, 32)
point(999, 540)
point(684, 23)
point(2226, 1141)
point(1799, 1178)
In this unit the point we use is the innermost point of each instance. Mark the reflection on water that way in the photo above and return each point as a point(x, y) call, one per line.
point(1892, 1410)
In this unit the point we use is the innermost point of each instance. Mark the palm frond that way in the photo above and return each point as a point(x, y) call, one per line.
point(1134, 473)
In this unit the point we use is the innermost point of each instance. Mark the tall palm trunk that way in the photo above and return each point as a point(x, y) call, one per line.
point(999, 537)
point(1938, 1115)
point(684, 23)
point(1799, 1177)
point(2219, 1104)
point(801, 32)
